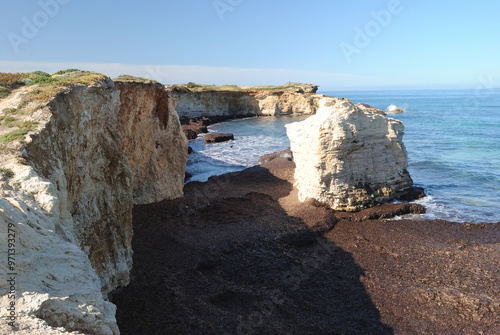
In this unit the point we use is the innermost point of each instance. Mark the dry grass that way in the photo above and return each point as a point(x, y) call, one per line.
point(129, 78)
point(48, 85)
point(45, 88)
point(234, 88)
point(17, 134)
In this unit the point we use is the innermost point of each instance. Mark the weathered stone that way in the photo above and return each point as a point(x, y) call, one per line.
point(99, 149)
point(153, 141)
point(349, 157)
point(233, 104)
point(189, 133)
point(397, 111)
point(287, 153)
point(413, 193)
point(216, 138)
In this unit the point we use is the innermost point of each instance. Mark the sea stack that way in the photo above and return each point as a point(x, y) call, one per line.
point(349, 157)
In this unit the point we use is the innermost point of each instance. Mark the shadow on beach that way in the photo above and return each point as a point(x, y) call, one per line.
point(228, 259)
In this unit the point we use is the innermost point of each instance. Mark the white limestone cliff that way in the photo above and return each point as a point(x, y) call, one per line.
point(97, 150)
point(349, 157)
point(243, 103)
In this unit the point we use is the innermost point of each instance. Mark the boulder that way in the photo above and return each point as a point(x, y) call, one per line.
point(217, 137)
point(349, 157)
point(397, 111)
point(190, 134)
point(414, 193)
point(287, 153)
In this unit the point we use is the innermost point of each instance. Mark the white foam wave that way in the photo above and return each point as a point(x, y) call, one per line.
point(391, 108)
point(219, 158)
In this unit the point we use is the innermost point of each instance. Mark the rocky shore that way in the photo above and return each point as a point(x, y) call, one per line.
point(240, 254)
point(259, 251)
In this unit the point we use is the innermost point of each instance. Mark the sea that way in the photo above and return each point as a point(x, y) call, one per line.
point(452, 138)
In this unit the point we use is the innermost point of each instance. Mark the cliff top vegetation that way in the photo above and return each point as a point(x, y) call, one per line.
point(129, 78)
point(64, 78)
point(288, 87)
point(39, 88)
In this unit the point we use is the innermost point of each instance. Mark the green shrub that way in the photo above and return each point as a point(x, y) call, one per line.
point(192, 85)
point(6, 172)
point(10, 121)
point(30, 125)
point(42, 80)
point(11, 80)
point(4, 92)
point(65, 71)
point(39, 74)
point(127, 77)
point(14, 135)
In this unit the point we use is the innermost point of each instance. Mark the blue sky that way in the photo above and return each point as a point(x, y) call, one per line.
point(340, 45)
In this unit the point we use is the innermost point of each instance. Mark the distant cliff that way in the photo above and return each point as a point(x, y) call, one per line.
point(70, 171)
point(233, 101)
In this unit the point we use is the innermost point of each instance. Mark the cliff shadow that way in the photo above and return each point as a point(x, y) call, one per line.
point(237, 263)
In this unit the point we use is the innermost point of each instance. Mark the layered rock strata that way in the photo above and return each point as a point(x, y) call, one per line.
point(233, 104)
point(349, 157)
point(98, 150)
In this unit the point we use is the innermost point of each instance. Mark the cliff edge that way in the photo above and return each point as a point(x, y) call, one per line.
point(232, 101)
point(75, 157)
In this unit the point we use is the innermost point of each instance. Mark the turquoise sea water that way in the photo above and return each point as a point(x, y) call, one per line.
point(452, 138)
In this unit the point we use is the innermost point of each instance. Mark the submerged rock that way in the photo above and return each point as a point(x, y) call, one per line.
point(397, 111)
point(349, 157)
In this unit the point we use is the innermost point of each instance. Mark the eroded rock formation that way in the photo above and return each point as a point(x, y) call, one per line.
point(152, 142)
point(231, 104)
point(99, 149)
point(217, 138)
point(349, 157)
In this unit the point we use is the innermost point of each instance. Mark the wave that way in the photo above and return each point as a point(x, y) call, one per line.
point(391, 108)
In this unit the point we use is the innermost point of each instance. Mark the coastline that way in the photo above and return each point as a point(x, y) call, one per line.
point(220, 265)
point(238, 254)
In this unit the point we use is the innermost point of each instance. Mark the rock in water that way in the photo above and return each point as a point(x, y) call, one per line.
point(349, 157)
point(287, 153)
point(217, 138)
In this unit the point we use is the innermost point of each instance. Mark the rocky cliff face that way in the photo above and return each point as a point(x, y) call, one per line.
point(98, 149)
point(243, 103)
point(349, 157)
point(152, 142)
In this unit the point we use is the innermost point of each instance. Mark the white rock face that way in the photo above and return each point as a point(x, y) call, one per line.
point(349, 157)
point(236, 104)
point(101, 149)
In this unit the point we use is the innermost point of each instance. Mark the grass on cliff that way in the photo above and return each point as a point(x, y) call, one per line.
point(6, 173)
point(234, 88)
point(48, 85)
point(17, 134)
point(45, 88)
point(129, 78)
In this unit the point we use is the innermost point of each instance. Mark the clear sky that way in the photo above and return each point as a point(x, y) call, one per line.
point(340, 45)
